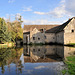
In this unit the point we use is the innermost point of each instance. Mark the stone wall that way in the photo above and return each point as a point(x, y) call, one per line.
point(60, 37)
point(69, 38)
point(26, 38)
point(69, 32)
point(50, 37)
point(36, 36)
point(60, 51)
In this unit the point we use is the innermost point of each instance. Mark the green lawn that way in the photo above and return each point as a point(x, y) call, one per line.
point(11, 44)
point(70, 65)
point(71, 44)
point(3, 46)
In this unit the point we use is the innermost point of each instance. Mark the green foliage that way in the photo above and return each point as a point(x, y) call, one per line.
point(71, 59)
point(72, 44)
point(64, 71)
point(16, 29)
point(10, 31)
point(70, 65)
point(4, 34)
point(7, 56)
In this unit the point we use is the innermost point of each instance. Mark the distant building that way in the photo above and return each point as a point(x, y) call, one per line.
point(62, 34)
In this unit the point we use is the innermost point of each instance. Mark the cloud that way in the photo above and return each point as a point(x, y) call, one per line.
point(27, 9)
point(70, 7)
point(11, 1)
point(28, 71)
point(17, 16)
point(40, 67)
point(9, 15)
point(40, 13)
point(57, 12)
point(62, 1)
point(65, 8)
point(39, 22)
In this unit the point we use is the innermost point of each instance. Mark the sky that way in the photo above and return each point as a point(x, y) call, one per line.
point(38, 11)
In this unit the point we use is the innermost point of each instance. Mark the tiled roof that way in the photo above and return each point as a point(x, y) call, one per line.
point(58, 28)
point(48, 28)
point(31, 27)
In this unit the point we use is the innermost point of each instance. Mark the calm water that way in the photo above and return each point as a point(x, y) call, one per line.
point(33, 60)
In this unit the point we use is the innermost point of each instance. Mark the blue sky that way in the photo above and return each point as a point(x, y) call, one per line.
point(38, 11)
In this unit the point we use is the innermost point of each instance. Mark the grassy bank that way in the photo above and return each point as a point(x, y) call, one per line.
point(71, 44)
point(7, 45)
point(70, 62)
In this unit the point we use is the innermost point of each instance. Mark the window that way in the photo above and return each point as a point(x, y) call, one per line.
point(72, 31)
point(53, 37)
point(34, 50)
point(38, 38)
point(33, 38)
point(45, 37)
point(38, 49)
point(41, 30)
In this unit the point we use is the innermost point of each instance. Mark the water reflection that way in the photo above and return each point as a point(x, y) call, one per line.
point(33, 60)
point(43, 53)
point(8, 56)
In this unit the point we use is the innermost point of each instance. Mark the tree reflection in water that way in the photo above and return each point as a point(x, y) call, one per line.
point(33, 59)
point(8, 56)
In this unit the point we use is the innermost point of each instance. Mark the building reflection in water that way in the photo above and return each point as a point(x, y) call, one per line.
point(43, 53)
point(17, 60)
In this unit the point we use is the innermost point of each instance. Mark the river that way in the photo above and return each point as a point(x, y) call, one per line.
point(34, 60)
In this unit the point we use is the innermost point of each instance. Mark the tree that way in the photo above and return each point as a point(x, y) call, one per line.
point(5, 35)
point(3, 29)
point(10, 31)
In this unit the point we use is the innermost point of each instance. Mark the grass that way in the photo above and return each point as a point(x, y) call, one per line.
point(64, 71)
point(70, 62)
point(3, 46)
point(7, 45)
point(71, 44)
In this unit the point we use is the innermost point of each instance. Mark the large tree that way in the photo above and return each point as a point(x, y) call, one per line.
point(16, 29)
point(10, 31)
point(4, 34)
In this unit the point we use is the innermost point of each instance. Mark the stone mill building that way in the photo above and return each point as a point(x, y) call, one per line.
point(61, 34)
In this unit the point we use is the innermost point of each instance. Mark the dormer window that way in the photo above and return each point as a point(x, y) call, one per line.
point(72, 30)
point(41, 30)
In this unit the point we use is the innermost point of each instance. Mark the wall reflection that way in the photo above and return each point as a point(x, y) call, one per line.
point(43, 53)
point(16, 57)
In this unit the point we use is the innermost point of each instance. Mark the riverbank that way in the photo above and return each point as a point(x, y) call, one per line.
point(70, 63)
point(7, 45)
point(71, 44)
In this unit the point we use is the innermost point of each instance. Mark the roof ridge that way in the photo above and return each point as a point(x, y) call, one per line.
point(58, 28)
